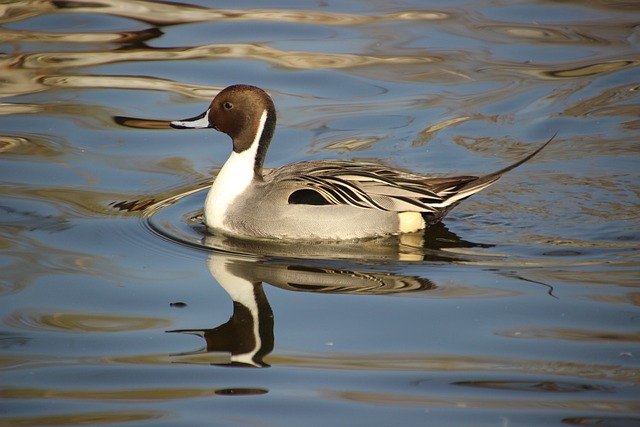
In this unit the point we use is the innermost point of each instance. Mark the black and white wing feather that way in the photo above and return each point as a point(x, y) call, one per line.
point(374, 186)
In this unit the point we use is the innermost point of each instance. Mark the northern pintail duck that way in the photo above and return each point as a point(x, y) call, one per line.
point(315, 200)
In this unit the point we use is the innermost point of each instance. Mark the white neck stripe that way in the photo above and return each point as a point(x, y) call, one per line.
point(258, 137)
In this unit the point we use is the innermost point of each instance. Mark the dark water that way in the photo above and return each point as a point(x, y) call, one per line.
point(116, 308)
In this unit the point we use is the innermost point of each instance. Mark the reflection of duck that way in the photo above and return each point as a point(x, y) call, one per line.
point(315, 200)
point(248, 335)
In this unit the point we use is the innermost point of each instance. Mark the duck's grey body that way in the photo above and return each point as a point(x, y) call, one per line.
point(316, 200)
point(273, 216)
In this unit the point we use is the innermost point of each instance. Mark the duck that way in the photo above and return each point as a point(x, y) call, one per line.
point(316, 199)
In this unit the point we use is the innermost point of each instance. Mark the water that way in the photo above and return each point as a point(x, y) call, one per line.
point(117, 308)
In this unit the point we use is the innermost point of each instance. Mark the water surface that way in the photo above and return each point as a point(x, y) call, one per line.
point(118, 308)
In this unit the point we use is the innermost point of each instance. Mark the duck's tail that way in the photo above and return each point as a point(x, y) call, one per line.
point(474, 185)
point(486, 180)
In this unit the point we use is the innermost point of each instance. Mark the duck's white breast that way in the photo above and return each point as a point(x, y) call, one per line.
point(234, 179)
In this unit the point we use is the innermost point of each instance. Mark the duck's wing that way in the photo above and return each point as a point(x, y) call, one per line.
point(374, 186)
point(366, 185)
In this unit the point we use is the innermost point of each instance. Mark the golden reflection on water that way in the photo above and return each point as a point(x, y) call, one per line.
point(21, 75)
point(461, 363)
point(514, 403)
point(632, 298)
point(605, 33)
point(582, 335)
point(87, 418)
point(83, 322)
point(537, 33)
point(610, 102)
point(25, 264)
point(591, 69)
point(344, 145)
point(174, 13)
point(129, 82)
point(119, 395)
point(295, 60)
point(10, 142)
point(32, 72)
point(23, 36)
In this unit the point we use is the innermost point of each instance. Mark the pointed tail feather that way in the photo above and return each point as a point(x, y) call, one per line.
point(486, 180)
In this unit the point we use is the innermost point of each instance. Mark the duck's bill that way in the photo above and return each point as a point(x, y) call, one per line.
point(198, 122)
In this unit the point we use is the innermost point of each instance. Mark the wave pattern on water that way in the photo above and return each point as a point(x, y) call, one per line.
point(521, 309)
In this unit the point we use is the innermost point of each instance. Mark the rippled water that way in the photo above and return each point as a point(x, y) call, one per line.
point(117, 308)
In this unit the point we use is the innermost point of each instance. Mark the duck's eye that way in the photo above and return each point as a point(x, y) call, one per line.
point(228, 106)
